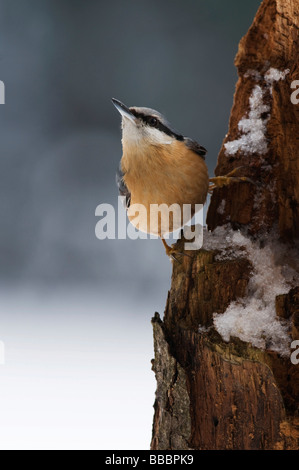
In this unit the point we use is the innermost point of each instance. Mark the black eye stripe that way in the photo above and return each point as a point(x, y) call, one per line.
point(168, 131)
point(157, 124)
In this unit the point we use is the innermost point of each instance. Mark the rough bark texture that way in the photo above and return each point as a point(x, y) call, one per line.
point(213, 394)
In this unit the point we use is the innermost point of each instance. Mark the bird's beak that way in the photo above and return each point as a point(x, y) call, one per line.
point(124, 111)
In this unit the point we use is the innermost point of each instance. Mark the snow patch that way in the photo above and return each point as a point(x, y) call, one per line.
point(253, 319)
point(274, 75)
point(254, 127)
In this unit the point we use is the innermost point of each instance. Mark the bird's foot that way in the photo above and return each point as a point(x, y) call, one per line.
point(173, 252)
point(220, 181)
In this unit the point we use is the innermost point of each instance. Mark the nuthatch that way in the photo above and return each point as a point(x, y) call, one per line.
point(159, 166)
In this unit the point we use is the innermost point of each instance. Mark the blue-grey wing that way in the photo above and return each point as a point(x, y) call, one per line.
point(122, 188)
point(193, 145)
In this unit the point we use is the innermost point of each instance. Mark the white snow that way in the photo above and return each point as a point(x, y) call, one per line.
point(254, 126)
point(253, 319)
point(274, 75)
point(223, 240)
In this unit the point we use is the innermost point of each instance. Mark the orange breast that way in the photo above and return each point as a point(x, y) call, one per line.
point(171, 175)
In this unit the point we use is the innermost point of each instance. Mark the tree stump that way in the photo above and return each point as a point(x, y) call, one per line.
point(224, 375)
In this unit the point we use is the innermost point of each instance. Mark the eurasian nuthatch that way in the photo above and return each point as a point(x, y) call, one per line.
point(159, 167)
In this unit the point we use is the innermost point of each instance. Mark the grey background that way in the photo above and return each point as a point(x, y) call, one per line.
point(61, 62)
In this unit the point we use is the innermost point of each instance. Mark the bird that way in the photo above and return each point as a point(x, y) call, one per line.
point(160, 169)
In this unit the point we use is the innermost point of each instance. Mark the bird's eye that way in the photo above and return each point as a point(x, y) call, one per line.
point(153, 122)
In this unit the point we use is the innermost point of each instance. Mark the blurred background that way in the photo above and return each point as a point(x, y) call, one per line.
point(75, 311)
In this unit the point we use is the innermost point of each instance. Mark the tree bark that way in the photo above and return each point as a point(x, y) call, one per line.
point(215, 393)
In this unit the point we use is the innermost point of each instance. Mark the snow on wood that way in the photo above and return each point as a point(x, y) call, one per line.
point(254, 127)
point(253, 318)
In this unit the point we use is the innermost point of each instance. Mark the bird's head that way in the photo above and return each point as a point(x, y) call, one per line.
point(145, 126)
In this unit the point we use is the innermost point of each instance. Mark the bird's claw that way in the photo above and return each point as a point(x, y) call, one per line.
point(173, 252)
point(220, 181)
